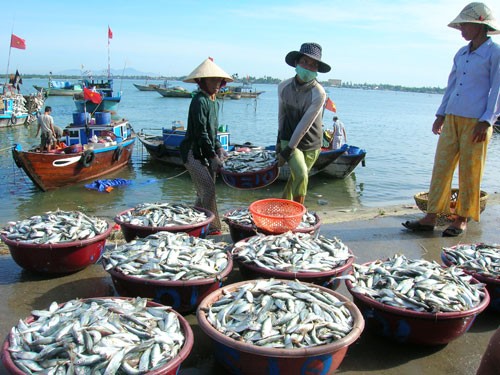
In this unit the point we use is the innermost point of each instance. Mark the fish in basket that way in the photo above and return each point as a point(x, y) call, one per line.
point(249, 169)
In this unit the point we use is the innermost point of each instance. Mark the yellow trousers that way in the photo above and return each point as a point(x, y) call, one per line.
point(454, 147)
point(300, 164)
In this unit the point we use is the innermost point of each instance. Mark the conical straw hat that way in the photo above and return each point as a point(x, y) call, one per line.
point(476, 13)
point(207, 69)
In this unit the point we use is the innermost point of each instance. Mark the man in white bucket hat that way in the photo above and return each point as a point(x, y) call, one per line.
point(469, 108)
point(201, 151)
point(300, 118)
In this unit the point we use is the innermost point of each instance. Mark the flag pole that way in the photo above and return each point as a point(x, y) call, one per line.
point(108, 56)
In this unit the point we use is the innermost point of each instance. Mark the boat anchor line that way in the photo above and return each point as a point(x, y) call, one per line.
point(66, 162)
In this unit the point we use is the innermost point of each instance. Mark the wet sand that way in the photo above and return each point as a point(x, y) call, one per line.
point(371, 233)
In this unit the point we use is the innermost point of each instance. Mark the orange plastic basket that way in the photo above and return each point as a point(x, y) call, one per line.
point(276, 216)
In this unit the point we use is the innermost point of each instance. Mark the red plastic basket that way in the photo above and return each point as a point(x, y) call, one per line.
point(276, 216)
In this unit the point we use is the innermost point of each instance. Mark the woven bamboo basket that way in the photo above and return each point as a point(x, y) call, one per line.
point(422, 198)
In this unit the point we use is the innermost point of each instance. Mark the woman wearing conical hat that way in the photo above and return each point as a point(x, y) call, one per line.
point(470, 106)
point(201, 151)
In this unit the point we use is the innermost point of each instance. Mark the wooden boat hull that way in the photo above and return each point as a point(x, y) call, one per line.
point(325, 158)
point(156, 148)
point(8, 120)
point(57, 92)
point(150, 87)
point(50, 171)
point(344, 165)
point(173, 93)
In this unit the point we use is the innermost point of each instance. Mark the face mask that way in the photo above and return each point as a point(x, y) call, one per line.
point(304, 74)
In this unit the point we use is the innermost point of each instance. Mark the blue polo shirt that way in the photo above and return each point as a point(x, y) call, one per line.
point(474, 84)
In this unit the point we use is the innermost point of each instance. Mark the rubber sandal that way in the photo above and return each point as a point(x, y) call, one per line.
point(452, 232)
point(417, 227)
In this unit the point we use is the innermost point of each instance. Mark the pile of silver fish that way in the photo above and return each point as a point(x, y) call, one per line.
point(169, 256)
point(163, 215)
point(480, 258)
point(251, 161)
point(96, 336)
point(279, 314)
point(242, 216)
point(293, 252)
point(417, 285)
point(55, 227)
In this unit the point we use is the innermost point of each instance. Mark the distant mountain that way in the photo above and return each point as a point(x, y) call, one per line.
point(103, 72)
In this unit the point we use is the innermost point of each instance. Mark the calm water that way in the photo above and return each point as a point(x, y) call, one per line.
point(393, 127)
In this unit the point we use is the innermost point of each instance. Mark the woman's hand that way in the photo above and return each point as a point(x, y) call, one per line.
point(222, 154)
point(215, 164)
point(480, 132)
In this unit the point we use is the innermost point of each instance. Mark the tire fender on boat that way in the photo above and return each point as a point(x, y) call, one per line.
point(13, 119)
point(87, 158)
point(118, 153)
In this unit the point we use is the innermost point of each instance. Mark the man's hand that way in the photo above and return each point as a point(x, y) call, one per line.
point(215, 164)
point(284, 156)
point(480, 132)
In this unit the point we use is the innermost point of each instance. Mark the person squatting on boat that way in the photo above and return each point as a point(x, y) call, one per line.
point(50, 133)
point(300, 125)
point(201, 151)
point(469, 108)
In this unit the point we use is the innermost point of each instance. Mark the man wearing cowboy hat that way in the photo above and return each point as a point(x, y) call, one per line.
point(469, 108)
point(300, 118)
point(201, 151)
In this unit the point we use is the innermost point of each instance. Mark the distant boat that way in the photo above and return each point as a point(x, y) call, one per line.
point(110, 98)
point(150, 86)
point(82, 159)
point(60, 88)
point(237, 92)
point(174, 92)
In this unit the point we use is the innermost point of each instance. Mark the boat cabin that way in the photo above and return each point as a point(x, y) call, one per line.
point(84, 129)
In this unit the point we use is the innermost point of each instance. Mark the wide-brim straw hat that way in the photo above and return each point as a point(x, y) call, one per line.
point(477, 13)
point(312, 50)
point(207, 69)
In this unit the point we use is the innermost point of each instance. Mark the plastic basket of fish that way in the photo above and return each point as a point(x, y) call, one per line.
point(482, 261)
point(127, 348)
point(241, 224)
point(252, 169)
point(254, 343)
point(173, 269)
point(147, 218)
point(302, 256)
point(416, 301)
point(56, 241)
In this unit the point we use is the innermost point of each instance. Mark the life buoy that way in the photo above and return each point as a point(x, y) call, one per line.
point(87, 158)
point(118, 153)
point(13, 119)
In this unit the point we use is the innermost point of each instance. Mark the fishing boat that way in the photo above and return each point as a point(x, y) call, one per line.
point(238, 92)
point(93, 147)
point(325, 159)
point(150, 86)
point(165, 148)
point(109, 98)
point(174, 92)
point(60, 88)
point(17, 109)
point(344, 165)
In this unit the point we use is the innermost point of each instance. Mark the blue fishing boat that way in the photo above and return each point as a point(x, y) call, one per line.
point(17, 109)
point(109, 98)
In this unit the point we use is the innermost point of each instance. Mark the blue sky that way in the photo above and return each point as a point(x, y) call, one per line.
point(395, 42)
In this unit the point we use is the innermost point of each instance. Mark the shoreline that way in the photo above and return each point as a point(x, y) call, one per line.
point(367, 213)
